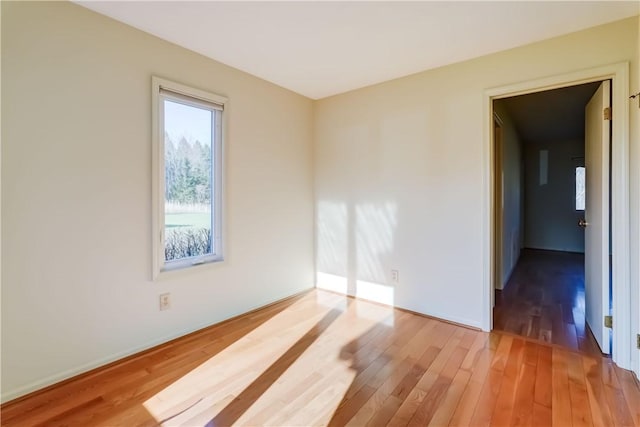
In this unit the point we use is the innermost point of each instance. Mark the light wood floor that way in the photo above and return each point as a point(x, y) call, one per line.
point(323, 359)
point(545, 299)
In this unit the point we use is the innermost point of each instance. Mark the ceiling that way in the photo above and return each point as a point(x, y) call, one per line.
point(323, 48)
point(552, 115)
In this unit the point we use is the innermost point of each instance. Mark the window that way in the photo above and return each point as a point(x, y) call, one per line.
point(580, 188)
point(187, 169)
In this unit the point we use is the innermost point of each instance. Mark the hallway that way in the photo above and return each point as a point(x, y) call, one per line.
point(544, 300)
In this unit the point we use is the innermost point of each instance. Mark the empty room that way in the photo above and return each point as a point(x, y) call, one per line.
point(320, 213)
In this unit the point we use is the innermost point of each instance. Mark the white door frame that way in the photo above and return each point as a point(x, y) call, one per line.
point(619, 75)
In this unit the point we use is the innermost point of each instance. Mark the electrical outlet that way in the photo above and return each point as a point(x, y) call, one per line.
point(395, 276)
point(165, 301)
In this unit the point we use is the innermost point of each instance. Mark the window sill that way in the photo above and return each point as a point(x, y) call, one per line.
point(179, 269)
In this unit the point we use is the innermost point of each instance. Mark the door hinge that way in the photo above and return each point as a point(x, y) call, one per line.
point(607, 113)
point(638, 341)
point(608, 321)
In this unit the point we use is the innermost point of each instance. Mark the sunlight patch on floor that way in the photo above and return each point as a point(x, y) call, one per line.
point(309, 392)
point(292, 382)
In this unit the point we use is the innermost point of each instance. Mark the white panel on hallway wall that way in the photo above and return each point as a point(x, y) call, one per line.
point(550, 210)
point(544, 167)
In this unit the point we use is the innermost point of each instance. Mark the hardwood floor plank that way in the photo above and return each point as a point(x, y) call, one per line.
point(619, 409)
point(522, 413)
point(432, 400)
point(480, 343)
point(386, 412)
point(409, 406)
point(543, 387)
point(467, 405)
point(544, 299)
point(417, 395)
point(435, 397)
point(580, 407)
point(629, 384)
point(600, 413)
point(560, 400)
point(416, 372)
point(368, 360)
point(493, 381)
point(506, 396)
point(396, 372)
point(444, 412)
point(617, 401)
point(271, 410)
point(541, 415)
point(325, 359)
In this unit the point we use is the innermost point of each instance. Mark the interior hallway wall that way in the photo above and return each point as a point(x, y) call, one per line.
point(513, 193)
point(551, 219)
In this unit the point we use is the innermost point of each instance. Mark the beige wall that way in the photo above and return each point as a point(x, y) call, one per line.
point(408, 153)
point(76, 194)
point(398, 185)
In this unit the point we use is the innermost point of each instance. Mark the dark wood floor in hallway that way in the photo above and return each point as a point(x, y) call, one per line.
point(544, 299)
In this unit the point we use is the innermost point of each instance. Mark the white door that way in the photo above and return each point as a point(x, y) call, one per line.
point(596, 214)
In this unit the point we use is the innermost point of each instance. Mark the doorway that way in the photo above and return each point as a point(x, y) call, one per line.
point(539, 150)
point(618, 74)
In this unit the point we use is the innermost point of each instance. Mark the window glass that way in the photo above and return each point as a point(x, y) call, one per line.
point(188, 217)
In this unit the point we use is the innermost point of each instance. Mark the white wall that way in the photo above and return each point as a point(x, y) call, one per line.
point(551, 219)
point(76, 194)
point(513, 194)
point(399, 166)
point(75, 119)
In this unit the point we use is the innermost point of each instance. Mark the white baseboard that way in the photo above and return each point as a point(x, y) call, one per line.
point(338, 285)
point(70, 373)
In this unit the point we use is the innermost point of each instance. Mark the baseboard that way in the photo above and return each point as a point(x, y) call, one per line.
point(564, 251)
point(510, 273)
point(458, 321)
point(88, 368)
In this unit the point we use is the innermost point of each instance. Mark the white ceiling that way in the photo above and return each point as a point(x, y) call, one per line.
point(324, 48)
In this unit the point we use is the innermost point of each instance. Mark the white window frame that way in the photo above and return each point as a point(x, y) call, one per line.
point(162, 89)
